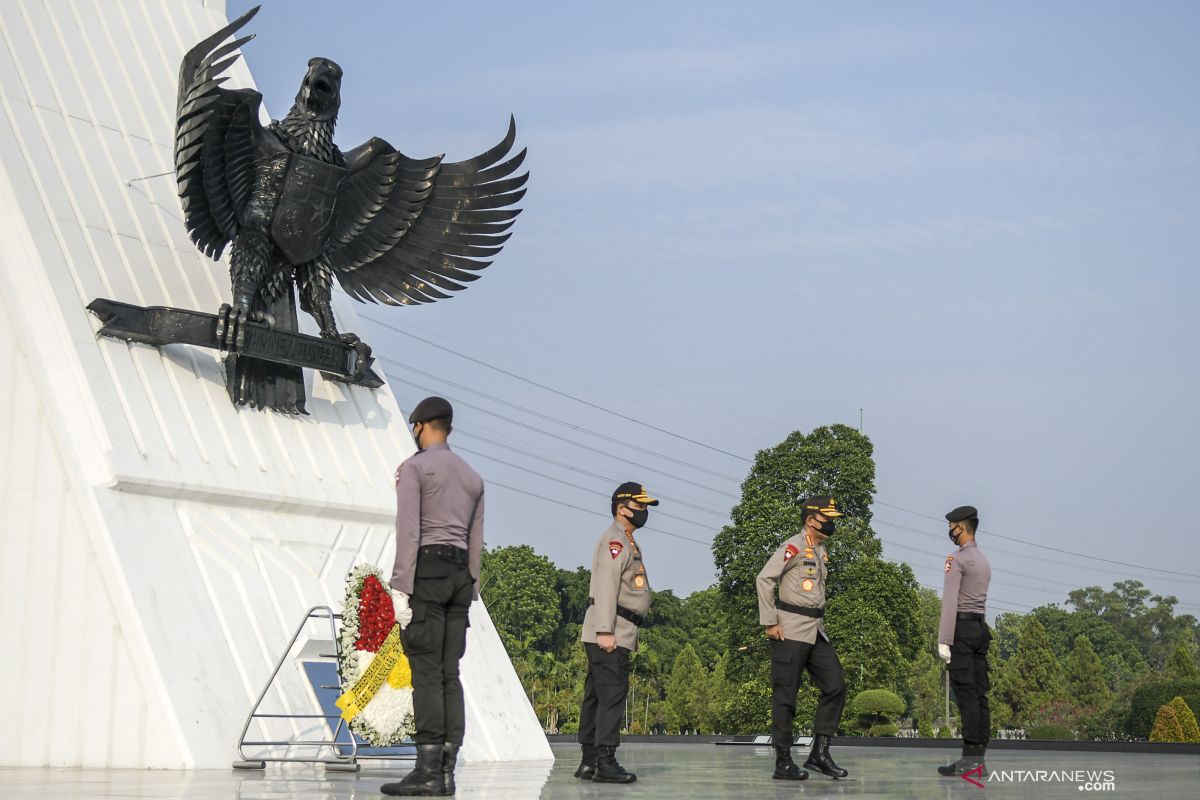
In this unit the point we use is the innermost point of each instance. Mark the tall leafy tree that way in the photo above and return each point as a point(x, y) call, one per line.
point(1181, 665)
point(1034, 677)
point(1144, 618)
point(688, 707)
point(928, 697)
point(520, 590)
point(1084, 674)
point(866, 645)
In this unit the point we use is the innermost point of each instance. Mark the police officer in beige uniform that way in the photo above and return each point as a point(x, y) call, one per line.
point(799, 641)
point(439, 543)
point(964, 637)
point(620, 599)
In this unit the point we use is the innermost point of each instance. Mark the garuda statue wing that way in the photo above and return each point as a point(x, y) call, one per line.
point(216, 138)
point(408, 230)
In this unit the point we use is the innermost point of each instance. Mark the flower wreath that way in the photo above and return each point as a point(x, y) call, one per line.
point(377, 695)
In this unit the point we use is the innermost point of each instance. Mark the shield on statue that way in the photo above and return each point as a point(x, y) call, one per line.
point(305, 214)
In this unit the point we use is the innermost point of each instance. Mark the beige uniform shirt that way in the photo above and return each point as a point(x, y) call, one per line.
point(618, 578)
point(798, 569)
point(968, 574)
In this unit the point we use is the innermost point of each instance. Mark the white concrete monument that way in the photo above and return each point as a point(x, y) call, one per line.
point(159, 545)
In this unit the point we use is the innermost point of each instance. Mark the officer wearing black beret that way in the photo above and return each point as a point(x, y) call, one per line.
point(439, 542)
point(963, 637)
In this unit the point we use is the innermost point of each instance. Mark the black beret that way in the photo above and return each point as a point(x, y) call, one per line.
point(431, 408)
point(962, 513)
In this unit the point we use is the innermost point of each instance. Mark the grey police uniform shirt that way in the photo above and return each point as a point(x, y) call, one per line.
point(439, 500)
point(968, 574)
point(618, 578)
point(798, 568)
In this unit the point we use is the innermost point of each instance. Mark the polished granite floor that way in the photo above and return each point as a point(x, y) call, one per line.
point(694, 772)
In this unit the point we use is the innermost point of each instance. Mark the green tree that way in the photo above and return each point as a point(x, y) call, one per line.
point(1034, 677)
point(929, 616)
point(688, 707)
point(1005, 634)
point(1119, 655)
point(877, 711)
point(834, 460)
point(1145, 619)
point(520, 591)
point(928, 695)
point(1084, 676)
point(866, 645)
point(1180, 665)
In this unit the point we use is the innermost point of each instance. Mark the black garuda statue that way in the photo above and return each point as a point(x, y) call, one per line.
point(300, 212)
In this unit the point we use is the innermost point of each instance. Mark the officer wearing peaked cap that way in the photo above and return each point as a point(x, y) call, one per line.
point(963, 637)
point(439, 542)
point(799, 641)
point(620, 599)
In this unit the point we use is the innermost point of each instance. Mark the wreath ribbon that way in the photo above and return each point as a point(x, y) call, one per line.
point(389, 664)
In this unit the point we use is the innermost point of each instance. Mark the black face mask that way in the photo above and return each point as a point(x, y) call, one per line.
point(954, 536)
point(639, 517)
point(827, 527)
point(417, 436)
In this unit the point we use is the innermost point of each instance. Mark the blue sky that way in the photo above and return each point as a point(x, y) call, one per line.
point(974, 222)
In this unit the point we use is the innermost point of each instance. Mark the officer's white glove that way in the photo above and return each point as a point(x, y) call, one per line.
point(403, 612)
point(944, 652)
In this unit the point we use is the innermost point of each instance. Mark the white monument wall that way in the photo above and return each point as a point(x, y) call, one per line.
point(157, 545)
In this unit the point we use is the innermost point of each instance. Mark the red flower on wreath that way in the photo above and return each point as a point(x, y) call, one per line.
point(376, 616)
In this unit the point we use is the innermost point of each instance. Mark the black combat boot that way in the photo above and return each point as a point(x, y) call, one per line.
point(972, 757)
point(607, 768)
point(785, 768)
point(449, 759)
point(426, 779)
point(819, 759)
point(587, 766)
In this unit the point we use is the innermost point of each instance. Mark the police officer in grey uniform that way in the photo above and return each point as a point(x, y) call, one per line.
point(963, 637)
point(799, 641)
point(620, 599)
point(439, 541)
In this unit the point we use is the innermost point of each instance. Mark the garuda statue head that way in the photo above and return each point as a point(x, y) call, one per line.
point(320, 94)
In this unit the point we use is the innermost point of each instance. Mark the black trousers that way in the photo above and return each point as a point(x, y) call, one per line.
point(434, 642)
point(788, 662)
point(969, 679)
point(604, 692)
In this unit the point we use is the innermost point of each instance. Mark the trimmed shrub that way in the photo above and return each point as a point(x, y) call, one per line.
point(1152, 696)
point(1187, 720)
point(877, 710)
point(1053, 732)
point(924, 729)
point(1166, 726)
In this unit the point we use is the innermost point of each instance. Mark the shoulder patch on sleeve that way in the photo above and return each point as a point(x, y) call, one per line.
point(615, 548)
point(790, 552)
point(949, 563)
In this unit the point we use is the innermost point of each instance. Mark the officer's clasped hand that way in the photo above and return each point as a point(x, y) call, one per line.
point(403, 612)
point(944, 652)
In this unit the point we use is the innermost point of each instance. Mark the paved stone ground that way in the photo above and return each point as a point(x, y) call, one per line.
point(691, 771)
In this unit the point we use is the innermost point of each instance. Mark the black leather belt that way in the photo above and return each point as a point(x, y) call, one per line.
point(447, 552)
point(623, 612)
point(806, 611)
point(971, 615)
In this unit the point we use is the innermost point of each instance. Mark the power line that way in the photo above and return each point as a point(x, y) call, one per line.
point(681, 437)
point(561, 393)
point(553, 419)
point(657, 513)
point(1128, 565)
point(588, 510)
point(572, 442)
